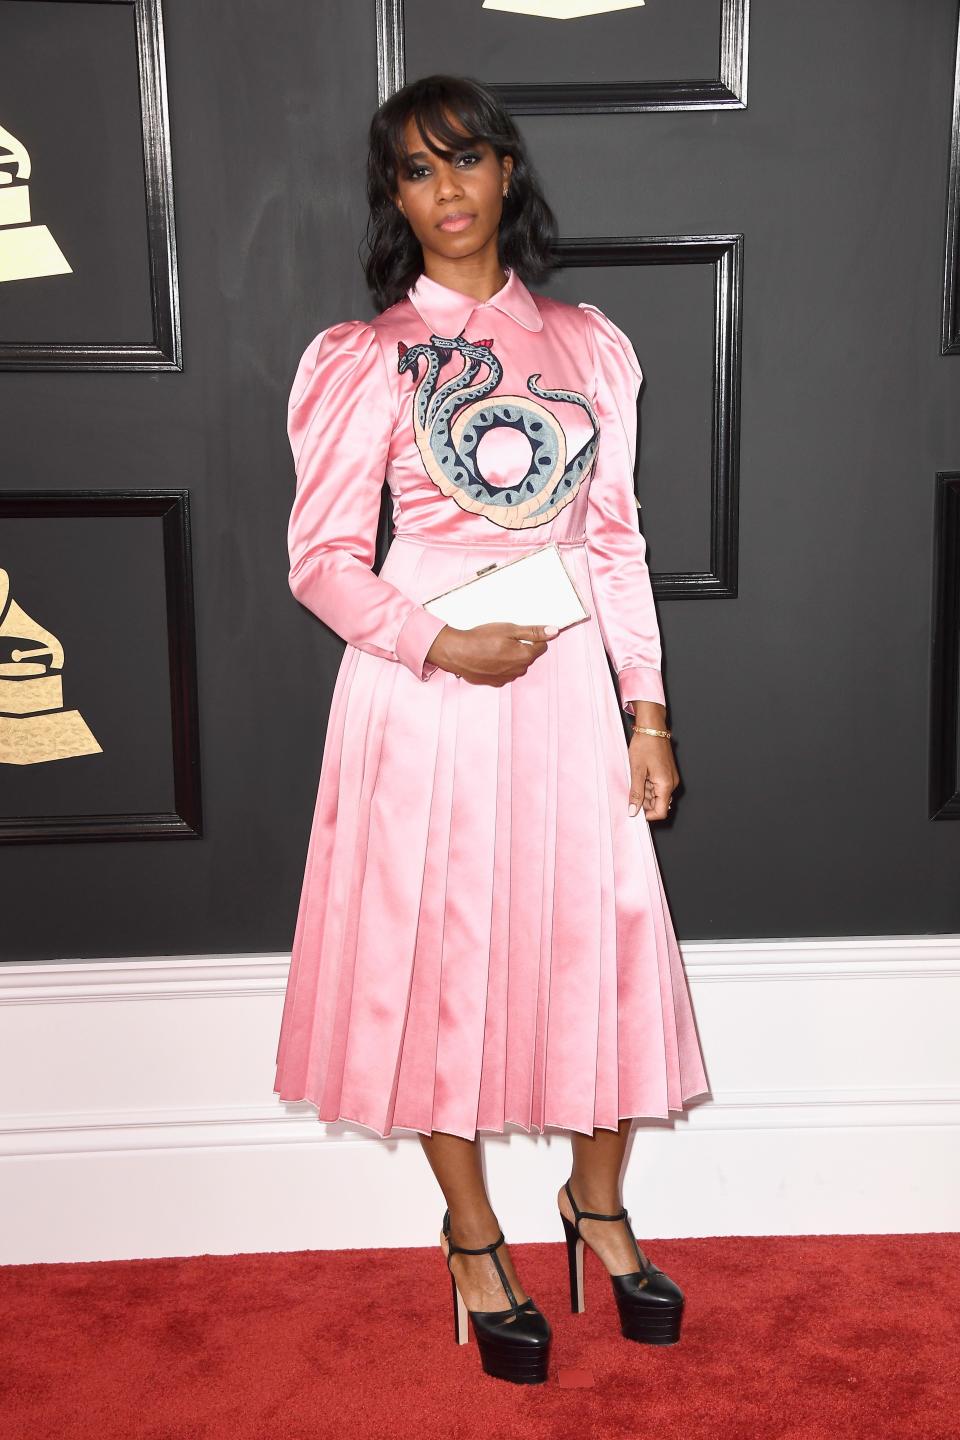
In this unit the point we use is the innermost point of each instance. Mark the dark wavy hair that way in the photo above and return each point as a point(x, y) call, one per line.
point(528, 229)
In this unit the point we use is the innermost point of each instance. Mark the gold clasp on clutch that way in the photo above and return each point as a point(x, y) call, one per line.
point(487, 567)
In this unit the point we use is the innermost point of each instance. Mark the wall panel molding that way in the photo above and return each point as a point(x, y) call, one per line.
point(725, 254)
point(950, 326)
point(944, 766)
point(170, 509)
point(175, 977)
point(727, 92)
point(164, 351)
point(122, 1131)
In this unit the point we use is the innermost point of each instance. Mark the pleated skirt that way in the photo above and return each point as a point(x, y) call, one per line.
point(483, 938)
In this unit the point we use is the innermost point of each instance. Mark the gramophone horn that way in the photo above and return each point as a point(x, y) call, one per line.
point(16, 624)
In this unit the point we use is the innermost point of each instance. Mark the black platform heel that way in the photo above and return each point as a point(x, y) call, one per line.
point(514, 1344)
point(650, 1304)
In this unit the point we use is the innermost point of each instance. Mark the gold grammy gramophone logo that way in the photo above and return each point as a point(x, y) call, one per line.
point(34, 726)
point(26, 250)
point(562, 9)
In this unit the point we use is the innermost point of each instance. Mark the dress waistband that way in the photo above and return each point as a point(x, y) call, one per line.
point(486, 544)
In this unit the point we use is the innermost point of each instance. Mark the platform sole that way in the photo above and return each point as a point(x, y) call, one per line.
point(659, 1329)
point(520, 1370)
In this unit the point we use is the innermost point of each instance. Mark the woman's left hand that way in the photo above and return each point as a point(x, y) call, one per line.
point(653, 775)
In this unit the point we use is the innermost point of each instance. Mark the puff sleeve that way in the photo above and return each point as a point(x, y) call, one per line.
point(340, 422)
point(616, 549)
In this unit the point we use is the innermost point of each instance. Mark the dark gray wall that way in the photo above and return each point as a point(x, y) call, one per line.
point(800, 707)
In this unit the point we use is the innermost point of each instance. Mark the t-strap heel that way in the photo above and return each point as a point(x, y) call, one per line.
point(650, 1304)
point(514, 1344)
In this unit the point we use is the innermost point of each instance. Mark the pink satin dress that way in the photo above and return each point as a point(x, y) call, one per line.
point(483, 938)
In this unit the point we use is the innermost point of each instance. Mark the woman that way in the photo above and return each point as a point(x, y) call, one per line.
point(483, 938)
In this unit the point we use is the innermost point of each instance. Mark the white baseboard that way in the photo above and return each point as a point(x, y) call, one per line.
point(137, 1116)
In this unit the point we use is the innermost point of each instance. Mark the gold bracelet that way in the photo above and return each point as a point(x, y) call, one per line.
point(647, 730)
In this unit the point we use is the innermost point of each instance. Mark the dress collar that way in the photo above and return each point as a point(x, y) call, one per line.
point(447, 311)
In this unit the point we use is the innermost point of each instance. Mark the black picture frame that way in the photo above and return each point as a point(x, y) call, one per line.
point(164, 350)
point(944, 796)
point(171, 510)
point(725, 254)
point(728, 92)
point(950, 327)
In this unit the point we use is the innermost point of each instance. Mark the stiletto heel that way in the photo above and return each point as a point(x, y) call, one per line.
point(461, 1330)
point(514, 1344)
point(649, 1303)
point(575, 1264)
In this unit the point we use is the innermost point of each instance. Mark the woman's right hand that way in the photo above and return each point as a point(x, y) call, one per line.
point(492, 654)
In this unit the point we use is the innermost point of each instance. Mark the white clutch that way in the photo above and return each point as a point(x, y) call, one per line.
point(534, 589)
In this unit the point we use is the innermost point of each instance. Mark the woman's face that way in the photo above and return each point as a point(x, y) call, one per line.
point(453, 206)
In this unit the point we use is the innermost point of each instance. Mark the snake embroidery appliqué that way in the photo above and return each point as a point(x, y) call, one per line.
point(450, 420)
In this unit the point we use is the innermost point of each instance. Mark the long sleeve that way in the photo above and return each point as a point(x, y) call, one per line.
point(339, 423)
point(615, 546)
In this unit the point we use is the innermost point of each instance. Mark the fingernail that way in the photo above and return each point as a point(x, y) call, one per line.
point(551, 630)
point(634, 808)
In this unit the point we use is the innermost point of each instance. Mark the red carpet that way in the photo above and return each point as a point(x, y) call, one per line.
point(809, 1336)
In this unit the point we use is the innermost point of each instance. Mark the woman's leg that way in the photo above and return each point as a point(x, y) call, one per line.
point(595, 1182)
point(456, 1164)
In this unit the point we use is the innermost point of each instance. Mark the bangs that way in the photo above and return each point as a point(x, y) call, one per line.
point(448, 120)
